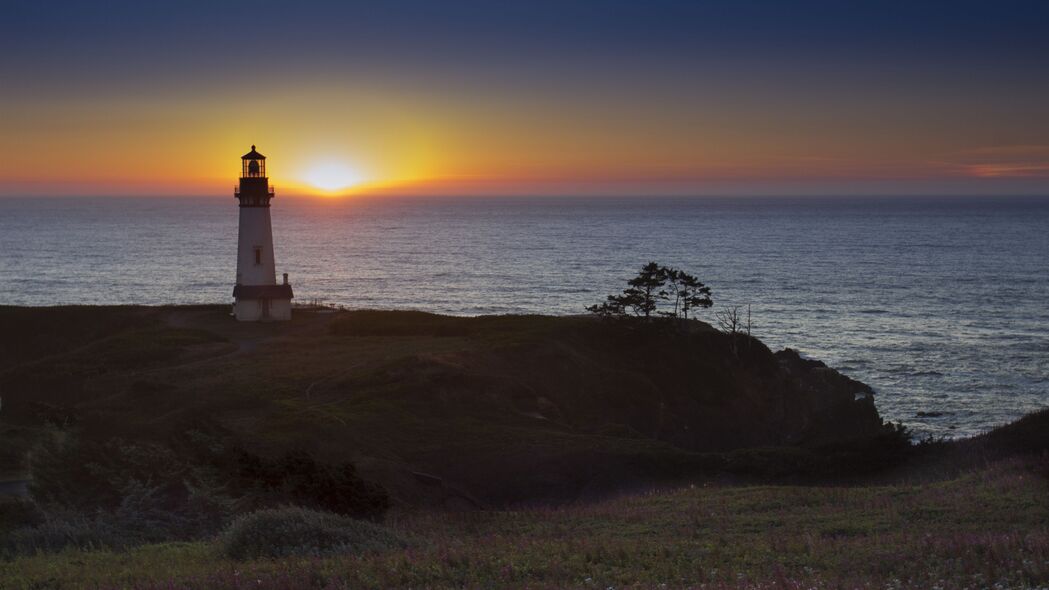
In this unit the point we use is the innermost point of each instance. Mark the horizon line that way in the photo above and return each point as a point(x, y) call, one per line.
point(373, 196)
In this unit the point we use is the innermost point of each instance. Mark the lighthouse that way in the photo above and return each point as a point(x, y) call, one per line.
point(257, 296)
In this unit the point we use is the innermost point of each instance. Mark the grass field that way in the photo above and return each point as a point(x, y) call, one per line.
point(988, 528)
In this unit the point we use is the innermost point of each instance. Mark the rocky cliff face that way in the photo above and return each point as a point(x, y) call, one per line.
point(837, 407)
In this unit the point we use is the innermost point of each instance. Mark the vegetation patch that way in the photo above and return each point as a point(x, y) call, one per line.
point(293, 530)
point(16, 512)
point(988, 530)
point(119, 493)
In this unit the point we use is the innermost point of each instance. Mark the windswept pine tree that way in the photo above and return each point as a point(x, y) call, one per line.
point(657, 291)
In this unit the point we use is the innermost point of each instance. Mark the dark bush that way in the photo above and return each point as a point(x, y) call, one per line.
point(299, 478)
point(71, 473)
point(58, 533)
point(123, 493)
point(293, 530)
point(206, 476)
point(17, 513)
point(140, 518)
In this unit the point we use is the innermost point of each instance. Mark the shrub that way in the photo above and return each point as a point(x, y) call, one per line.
point(18, 512)
point(136, 521)
point(293, 530)
point(190, 487)
point(298, 478)
point(58, 533)
point(79, 474)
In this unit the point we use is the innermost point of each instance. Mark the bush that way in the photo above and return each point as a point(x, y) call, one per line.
point(58, 533)
point(191, 486)
point(17, 513)
point(122, 493)
point(79, 474)
point(137, 521)
point(299, 479)
point(292, 530)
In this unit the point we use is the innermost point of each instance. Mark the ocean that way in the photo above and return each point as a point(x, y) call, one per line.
point(940, 304)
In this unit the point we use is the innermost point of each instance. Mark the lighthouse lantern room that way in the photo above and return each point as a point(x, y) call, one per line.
point(257, 296)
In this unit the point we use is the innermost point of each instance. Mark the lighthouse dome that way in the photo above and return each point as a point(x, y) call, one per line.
point(253, 155)
point(253, 165)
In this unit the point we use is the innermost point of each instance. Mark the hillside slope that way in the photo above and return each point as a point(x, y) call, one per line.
point(487, 410)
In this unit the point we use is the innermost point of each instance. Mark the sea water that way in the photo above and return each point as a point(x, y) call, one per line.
point(940, 304)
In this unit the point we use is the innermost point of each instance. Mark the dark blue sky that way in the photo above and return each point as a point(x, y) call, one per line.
point(43, 41)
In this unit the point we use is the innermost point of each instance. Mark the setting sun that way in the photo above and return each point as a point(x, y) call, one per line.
point(332, 176)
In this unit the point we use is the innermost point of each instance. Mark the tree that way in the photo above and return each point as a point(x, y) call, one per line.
point(692, 294)
point(656, 291)
point(673, 281)
point(640, 298)
point(611, 308)
point(646, 289)
point(730, 320)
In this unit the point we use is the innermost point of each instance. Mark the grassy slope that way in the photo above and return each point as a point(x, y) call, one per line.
point(349, 390)
point(984, 527)
point(502, 409)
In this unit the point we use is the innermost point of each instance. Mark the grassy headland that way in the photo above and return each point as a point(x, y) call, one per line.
point(518, 451)
point(505, 409)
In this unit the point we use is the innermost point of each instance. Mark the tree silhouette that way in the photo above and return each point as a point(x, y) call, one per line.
point(692, 294)
point(730, 320)
point(646, 290)
point(656, 291)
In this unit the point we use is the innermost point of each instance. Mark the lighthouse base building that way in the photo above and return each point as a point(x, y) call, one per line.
point(257, 296)
point(262, 303)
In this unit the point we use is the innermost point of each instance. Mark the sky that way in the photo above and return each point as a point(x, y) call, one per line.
point(520, 98)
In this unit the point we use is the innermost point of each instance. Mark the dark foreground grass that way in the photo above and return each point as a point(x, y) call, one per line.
point(985, 529)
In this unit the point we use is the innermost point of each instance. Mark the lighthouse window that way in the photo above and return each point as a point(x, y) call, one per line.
point(258, 256)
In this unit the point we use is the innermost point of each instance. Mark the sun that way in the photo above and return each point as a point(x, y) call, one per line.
point(332, 176)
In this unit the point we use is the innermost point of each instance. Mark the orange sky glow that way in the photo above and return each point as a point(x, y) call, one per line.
point(621, 101)
point(388, 145)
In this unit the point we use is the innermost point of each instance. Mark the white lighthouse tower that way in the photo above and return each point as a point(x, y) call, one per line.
point(257, 295)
